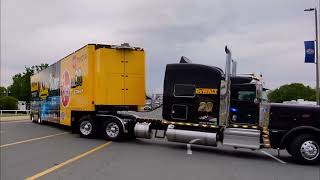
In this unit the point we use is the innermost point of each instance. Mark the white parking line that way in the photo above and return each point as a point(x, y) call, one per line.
point(30, 140)
point(277, 159)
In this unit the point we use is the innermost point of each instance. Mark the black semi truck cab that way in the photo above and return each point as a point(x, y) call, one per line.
point(202, 102)
point(193, 95)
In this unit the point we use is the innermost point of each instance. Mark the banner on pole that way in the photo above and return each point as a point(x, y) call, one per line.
point(309, 47)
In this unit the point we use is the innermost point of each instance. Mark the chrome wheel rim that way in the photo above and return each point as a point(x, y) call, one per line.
point(309, 150)
point(32, 118)
point(39, 120)
point(112, 130)
point(85, 128)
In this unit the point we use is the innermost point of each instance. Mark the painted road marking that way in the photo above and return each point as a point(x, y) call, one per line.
point(275, 158)
point(54, 168)
point(33, 139)
point(189, 151)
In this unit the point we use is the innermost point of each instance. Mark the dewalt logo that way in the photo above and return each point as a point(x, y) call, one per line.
point(206, 91)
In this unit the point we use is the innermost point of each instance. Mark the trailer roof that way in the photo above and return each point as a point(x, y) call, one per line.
point(98, 46)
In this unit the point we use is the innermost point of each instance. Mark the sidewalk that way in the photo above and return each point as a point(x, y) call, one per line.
point(14, 118)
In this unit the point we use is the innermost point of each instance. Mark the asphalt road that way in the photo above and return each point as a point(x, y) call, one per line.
point(29, 149)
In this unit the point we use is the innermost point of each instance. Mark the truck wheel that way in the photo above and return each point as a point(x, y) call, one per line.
point(87, 127)
point(112, 130)
point(305, 149)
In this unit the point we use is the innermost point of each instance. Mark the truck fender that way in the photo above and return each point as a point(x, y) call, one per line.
point(115, 117)
point(297, 129)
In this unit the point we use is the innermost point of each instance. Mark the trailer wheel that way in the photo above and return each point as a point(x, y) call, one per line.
point(305, 149)
point(32, 118)
point(39, 119)
point(87, 127)
point(112, 130)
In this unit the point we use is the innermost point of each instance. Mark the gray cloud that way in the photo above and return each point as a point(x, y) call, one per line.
point(265, 36)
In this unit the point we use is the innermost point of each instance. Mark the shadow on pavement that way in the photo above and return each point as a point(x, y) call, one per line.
point(241, 154)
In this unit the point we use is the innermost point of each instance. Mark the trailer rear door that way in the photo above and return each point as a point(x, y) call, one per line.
point(134, 77)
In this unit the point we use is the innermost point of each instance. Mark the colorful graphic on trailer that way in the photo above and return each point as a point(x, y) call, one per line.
point(65, 89)
point(46, 93)
point(60, 88)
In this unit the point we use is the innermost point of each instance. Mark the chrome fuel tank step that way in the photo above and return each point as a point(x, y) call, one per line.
point(242, 138)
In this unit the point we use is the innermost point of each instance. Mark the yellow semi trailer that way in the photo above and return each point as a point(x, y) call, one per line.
point(96, 78)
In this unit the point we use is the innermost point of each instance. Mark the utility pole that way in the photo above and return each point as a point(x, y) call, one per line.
point(317, 60)
point(317, 52)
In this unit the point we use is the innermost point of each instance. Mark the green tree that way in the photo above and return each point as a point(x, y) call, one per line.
point(3, 91)
point(16, 88)
point(292, 91)
point(8, 103)
point(21, 86)
point(37, 68)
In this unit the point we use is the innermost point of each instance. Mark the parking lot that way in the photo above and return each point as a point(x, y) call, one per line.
point(30, 150)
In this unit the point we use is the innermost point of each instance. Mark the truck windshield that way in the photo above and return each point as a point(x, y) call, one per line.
point(264, 96)
point(246, 95)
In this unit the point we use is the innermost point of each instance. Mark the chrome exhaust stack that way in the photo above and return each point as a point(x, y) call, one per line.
point(234, 68)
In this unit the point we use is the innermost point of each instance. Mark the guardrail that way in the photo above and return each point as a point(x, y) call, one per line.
point(14, 112)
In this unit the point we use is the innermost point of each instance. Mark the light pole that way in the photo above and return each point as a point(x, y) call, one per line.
point(317, 52)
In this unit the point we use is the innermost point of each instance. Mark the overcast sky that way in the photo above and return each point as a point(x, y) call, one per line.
point(266, 37)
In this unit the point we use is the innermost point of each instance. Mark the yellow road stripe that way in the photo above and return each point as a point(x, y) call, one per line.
point(29, 140)
point(47, 171)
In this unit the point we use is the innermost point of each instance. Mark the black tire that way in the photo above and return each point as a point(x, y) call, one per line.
point(299, 149)
point(39, 120)
point(32, 118)
point(112, 130)
point(87, 127)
